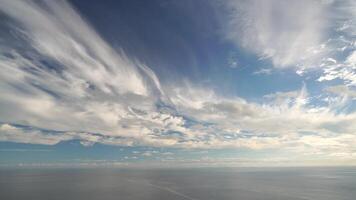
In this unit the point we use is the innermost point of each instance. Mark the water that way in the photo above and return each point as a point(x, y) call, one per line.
point(179, 184)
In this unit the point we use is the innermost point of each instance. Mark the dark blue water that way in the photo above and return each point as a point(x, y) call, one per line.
point(179, 184)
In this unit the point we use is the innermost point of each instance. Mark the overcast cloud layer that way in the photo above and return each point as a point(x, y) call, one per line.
point(60, 80)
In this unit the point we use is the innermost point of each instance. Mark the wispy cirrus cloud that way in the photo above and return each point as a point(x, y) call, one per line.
point(67, 68)
point(65, 82)
point(285, 32)
point(296, 34)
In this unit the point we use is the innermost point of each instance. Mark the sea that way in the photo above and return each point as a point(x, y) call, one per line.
point(287, 183)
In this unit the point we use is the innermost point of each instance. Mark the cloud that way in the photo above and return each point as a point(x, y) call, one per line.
point(264, 71)
point(342, 90)
point(66, 82)
point(279, 30)
point(341, 63)
point(55, 30)
point(297, 34)
point(67, 78)
point(344, 70)
point(14, 134)
point(278, 123)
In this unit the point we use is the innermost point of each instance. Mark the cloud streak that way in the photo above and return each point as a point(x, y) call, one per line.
point(296, 34)
point(279, 30)
point(65, 82)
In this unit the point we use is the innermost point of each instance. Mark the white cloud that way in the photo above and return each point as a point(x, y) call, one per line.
point(88, 91)
point(83, 85)
point(275, 124)
point(57, 31)
point(284, 31)
point(265, 71)
point(343, 91)
point(14, 134)
point(301, 34)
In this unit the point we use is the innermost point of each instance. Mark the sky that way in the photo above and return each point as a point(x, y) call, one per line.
point(178, 83)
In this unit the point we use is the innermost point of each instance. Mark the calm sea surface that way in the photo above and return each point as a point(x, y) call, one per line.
point(182, 184)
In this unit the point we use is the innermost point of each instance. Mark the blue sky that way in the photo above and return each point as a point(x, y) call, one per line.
point(193, 83)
